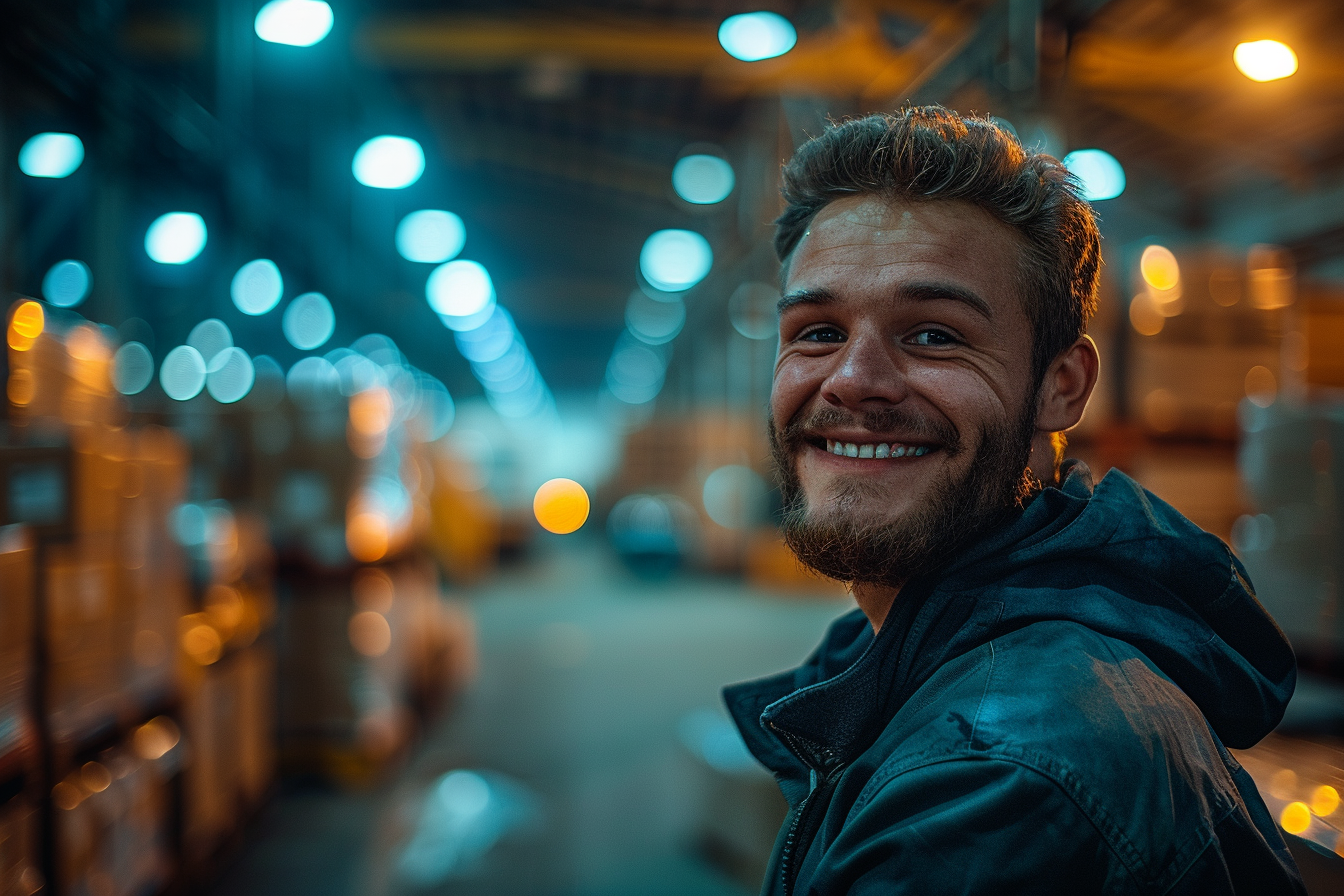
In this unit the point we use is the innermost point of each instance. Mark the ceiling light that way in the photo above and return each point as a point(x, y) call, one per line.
point(389, 163)
point(430, 235)
point(175, 238)
point(51, 155)
point(703, 179)
point(1265, 60)
point(1099, 173)
point(257, 287)
point(298, 23)
point(754, 36)
point(308, 321)
point(675, 260)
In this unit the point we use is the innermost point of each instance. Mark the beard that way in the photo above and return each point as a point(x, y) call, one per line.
point(957, 509)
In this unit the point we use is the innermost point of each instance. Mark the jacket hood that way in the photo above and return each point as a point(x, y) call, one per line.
point(1113, 557)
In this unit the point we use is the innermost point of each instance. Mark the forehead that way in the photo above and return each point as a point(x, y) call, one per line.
point(869, 242)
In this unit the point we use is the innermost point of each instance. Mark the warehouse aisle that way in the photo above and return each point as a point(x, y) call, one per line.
point(587, 758)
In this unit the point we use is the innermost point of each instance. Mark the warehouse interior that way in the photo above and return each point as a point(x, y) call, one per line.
point(385, 476)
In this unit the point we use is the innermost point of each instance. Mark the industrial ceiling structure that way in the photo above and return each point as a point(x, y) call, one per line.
point(552, 129)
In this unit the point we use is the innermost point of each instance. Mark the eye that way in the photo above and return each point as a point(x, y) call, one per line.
point(933, 338)
point(822, 334)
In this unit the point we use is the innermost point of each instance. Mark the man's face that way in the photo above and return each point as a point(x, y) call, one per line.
point(903, 408)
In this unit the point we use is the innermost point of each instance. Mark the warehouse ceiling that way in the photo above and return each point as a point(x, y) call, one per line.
point(552, 129)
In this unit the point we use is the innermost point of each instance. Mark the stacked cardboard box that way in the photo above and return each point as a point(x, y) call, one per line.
point(113, 815)
point(115, 658)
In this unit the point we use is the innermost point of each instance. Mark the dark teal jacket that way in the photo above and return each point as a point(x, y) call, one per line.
point(1047, 714)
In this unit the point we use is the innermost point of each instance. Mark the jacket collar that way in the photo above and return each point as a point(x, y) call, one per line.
point(827, 712)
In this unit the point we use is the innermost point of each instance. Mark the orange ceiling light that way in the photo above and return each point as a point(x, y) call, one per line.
point(1265, 60)
point(25, 325)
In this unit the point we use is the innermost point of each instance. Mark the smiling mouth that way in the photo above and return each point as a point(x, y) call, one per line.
point(874, 450)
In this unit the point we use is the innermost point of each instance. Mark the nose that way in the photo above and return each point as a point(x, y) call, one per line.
point(867, 374)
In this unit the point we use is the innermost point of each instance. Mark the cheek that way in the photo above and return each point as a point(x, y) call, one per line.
point(967, 399)
point(793, 385)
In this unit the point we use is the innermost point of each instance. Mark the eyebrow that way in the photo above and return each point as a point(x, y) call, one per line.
point(919, 292)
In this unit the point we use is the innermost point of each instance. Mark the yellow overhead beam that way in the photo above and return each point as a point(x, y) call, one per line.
point(849, 59)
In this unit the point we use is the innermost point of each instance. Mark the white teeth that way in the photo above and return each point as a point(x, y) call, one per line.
point(880, 450)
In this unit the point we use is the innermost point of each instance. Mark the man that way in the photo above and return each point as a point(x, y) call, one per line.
point(1036, 690)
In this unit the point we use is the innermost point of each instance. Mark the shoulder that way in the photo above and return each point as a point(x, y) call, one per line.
point(1090, 715)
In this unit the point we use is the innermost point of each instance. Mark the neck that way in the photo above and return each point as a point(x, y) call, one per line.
point(875, 601)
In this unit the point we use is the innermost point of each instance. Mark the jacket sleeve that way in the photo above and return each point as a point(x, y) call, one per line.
point(969, 826)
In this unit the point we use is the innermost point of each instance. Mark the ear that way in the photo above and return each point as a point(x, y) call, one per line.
point(1067, 386)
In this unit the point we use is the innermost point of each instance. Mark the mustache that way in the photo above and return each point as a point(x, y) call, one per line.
point(900, 419)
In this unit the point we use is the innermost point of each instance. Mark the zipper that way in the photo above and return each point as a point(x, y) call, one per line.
point(804, 815)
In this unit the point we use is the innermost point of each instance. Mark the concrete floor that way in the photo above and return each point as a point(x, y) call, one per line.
point(586, 674)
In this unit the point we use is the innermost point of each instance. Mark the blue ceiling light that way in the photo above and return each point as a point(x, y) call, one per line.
point(754, 36)
point(389, 163)
point(462, 293)
point(175, 238)
point(67, 283)
point(1100, 174)
point(132, 368)
point(308, 321)
point(298, 23)
point(430, 235)
point(257, 287)
point(182, 373)
point(229, 377)
point(675, 260)
point(703, 179)
point(51, 155)
point(210, 337)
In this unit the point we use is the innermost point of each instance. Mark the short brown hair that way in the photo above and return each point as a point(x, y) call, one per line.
point(929, 152)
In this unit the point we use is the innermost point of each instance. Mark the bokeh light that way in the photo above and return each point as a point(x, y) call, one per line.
point(1261, 386)
point(734, 496)
point(229, 377)
point(182, 373)
point(1100, 175)
point(175, 238)
point(257, 287)
point(1295, 817)
point(1324, 801)
point(753, 36)
point(370, 633)
point(675, 260)
point(752, 310)
point(132, 368)
point(635, 372)
point(703, 179)
point(561, 506)
point(51, 154)
point(430, 235)
point(461, 290)
point(366, 537)
point(298, 23)
point(156, 737)
point(1159, 268)
point(1145, 316)
point(202, 643)
point(1265, 60)
point(312, 379)
point(389, 163)
point(67, 283)
point(25, 325)
point(210, 337)
point(652, 321)
point(308, 321)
